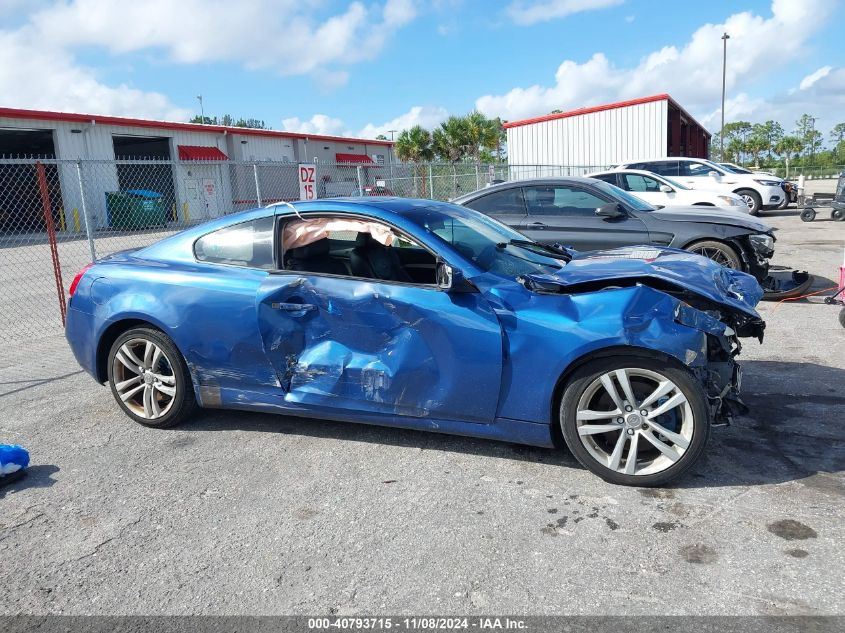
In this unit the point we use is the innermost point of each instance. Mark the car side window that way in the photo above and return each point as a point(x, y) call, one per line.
point(639, 183)
point(561, 200)
point(248, 244)
point(507, 202)
point(694, 169)
point(355, 247)
point(662, 167)
point(608, 178)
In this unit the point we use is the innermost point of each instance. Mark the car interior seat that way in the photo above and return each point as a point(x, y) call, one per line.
point(375, 261)
point(314, 258)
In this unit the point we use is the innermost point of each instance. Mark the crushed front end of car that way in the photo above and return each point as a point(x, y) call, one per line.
point(714, 305)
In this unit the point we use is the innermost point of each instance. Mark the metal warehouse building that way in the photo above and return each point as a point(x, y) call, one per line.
point(599, 136)
point(201, 171)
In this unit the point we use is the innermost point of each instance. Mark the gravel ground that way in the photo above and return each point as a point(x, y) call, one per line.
point(240, 513)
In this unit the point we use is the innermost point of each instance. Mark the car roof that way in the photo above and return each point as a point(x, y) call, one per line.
point(661, 160)
point(525, 182)
point(640, 172)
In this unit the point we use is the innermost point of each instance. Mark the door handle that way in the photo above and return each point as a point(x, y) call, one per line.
point(302, 308)
point(537, 225)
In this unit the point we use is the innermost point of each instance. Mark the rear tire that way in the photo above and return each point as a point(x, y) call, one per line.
point(838, 215)
point(719, 252)
point(752, 200)
point(666, 442)
point(149, 379)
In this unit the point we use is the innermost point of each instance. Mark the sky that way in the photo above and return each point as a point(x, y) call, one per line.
point(364, 68)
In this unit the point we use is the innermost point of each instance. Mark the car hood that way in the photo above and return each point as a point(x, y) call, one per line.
point(712, 215)
point(691, 277)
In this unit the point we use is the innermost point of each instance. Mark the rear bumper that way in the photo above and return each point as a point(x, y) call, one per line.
point(79, 332)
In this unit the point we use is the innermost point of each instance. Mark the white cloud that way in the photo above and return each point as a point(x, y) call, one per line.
point(317, 124)
point(278, 34)
point(39, 68)
point(758, 46)
point(426, 116)
point(530, 12)
point(812, 78)
point(45, 78)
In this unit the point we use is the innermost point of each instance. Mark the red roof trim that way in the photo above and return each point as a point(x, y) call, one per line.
point(72, 117)
point(600, 108)
point(358, 159)
point(197, 152)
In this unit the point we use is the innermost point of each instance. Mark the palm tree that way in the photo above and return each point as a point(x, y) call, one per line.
point(414, 146)
point(451, 142)
point(484, 134)
point(789, 147)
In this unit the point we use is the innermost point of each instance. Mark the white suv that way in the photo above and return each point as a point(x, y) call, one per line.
point(757, 190)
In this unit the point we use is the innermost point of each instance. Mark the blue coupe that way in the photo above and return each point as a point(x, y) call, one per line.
point(423, 315)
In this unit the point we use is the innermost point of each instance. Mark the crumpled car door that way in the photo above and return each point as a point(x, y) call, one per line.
point(371, 346)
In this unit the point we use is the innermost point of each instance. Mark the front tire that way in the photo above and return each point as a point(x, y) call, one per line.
point(665, 421)
point(149, 378)
point(719, 252)
point(751, 199)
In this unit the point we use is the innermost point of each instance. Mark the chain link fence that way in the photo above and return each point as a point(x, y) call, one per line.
point(56, 216)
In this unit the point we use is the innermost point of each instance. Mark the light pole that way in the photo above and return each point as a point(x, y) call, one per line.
point(202, 110)
point(391, 134)
point(725, 38)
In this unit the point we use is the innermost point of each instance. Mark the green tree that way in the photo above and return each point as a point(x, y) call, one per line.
point(483, 134)
point(737, 134)
point(759, 141)
point(229, 121)
point(772, 131)
point(381, 137)
point(837, 134)
point(451, 141)
point(414, 146)
point(811, 138)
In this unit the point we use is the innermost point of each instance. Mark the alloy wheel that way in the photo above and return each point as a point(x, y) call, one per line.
point(635, 421)
point(717, 255)
point(144, 378)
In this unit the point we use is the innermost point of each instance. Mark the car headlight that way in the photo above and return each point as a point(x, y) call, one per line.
point(762, 243)
point(731, 201)
point(768, 183)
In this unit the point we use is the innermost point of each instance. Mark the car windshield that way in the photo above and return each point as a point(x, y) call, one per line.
point(734, 169)
point(483, 240)
point(675, 183)
point(620, 195)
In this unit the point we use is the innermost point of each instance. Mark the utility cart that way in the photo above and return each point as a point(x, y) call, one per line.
point(835, 202)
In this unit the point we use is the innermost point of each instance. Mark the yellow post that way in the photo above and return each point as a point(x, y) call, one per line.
point(76, 227)
point(185, 212)
point(62, 225)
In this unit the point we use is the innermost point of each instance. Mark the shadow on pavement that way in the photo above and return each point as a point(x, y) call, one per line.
point(39, 476)
point(788, 435)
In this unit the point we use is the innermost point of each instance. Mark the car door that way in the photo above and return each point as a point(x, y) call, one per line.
point(344, 343)
point(696, 174)
point(566, 214)
point(646, 188)
point(506, 205)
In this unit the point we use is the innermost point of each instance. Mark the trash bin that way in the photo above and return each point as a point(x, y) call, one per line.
point(135, 209)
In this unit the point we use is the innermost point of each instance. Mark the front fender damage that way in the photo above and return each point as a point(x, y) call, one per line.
point(720, 327)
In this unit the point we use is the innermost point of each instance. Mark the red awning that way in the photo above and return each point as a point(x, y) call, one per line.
point(357, 159)
point(196, 152)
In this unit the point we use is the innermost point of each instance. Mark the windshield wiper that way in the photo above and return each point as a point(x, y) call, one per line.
point(555, 251)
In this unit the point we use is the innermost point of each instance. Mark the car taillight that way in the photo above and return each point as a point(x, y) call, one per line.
point(77, 279)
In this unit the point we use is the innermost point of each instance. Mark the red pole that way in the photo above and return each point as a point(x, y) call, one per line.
point(51, 236)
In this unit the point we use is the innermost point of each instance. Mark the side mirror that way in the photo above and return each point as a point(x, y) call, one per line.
point(452, 280)
point(445, 275)
point(714, 174)
point(666, 189)
point(610, 210)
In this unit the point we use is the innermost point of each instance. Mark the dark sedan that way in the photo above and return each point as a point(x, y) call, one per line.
point(589, 214)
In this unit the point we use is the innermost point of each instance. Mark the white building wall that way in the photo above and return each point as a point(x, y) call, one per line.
point(593, 140)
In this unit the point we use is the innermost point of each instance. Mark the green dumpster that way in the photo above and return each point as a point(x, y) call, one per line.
point(135, 209)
